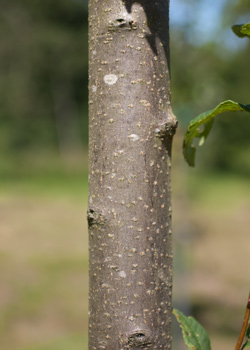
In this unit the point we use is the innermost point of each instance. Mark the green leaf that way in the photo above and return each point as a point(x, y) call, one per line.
point(206, 120)
point(242, 30)
point(247, 344)
point(194, 335)
point(248, 331)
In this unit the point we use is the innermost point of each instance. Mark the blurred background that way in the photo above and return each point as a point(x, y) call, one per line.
point(43, 171)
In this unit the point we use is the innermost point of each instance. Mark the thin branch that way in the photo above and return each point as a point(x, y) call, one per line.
point(244, 325)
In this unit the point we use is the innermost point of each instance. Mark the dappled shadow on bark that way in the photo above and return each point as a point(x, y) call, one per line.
point(157, 13)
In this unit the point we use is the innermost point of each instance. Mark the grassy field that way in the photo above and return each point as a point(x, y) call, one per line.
point(43, 257)
point(43, 253)
point(211, 225)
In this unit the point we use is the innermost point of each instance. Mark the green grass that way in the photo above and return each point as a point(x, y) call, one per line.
point(45, 175)
point(60, 265)
point(44, 254)
point(44, 248)
point(53, 185)
point(70, 342)
point(219, 191)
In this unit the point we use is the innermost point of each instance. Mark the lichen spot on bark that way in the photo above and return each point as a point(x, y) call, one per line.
point(122, 274)
point(133, 137)
point(110, 79)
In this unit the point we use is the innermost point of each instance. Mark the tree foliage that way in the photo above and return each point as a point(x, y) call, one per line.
point(43, 87)
point(43, 54)
point(205, 74)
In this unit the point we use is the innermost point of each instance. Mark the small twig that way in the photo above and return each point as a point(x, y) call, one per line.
point(244, 325)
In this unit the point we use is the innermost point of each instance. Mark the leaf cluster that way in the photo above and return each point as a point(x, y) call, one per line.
point(206, 119)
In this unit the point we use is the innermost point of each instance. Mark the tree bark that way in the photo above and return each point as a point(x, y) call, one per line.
point(131, 126)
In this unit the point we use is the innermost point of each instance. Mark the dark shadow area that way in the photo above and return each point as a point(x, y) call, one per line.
point(157, 17)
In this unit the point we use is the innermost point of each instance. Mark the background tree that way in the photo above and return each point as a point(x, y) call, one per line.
point(43, 68)
point(44, 97)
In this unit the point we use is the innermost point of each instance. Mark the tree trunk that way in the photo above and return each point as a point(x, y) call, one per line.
point(131, 126)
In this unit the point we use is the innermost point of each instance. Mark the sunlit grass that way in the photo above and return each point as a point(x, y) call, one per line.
point(44, 254)
point(53, 185)
point(44, 248)
point(72, 342)
point(45, 175)
point(218, 191)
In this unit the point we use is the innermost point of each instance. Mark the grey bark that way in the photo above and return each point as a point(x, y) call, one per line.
point(131, 126)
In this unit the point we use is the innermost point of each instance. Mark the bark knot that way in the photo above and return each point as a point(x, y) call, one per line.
point(139, 339)
point(121, 24)
point(94, 218)
point(167, 130)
